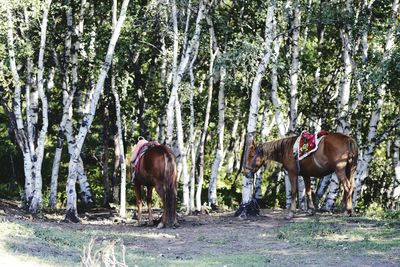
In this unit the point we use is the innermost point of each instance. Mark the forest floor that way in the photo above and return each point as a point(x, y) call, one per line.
point(214, 239)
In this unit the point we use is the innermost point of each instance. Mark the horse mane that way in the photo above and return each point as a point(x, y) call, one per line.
point(276, 150)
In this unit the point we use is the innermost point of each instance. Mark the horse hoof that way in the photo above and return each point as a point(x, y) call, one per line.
point(160, 225)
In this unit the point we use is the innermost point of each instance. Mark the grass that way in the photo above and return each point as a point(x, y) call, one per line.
point(52, 244)
point(56, 246)
point(361, 235)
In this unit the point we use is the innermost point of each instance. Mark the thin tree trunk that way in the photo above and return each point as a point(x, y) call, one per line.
point(105, 142)
point(121, 156)
point(255, 97)
point(192, 179)
point(395, 193)
point(21, 135)
point(274, 88)
point(71, 213)
point(343, 105)
point(219, 155)
point(32, 159)
point(367, 153)
point(295, 67)
point(181, 69)
point(200, 177)
point(231, 149)
point(65, 126)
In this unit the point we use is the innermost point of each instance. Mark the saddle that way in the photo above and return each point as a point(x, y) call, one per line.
point(307, 143)
point(138, 151)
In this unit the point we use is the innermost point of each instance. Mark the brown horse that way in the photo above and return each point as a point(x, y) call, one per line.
point(157, 168)
point(336, 153)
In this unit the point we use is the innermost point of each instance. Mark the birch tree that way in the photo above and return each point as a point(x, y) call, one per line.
point(344, 95)
point(71, 209)
point(367, 151)
point(32, 146)
point(174, 103)
point(254, 101)
point(69, 91)
point(395, 193)
point(295, 67)
point(219, 154)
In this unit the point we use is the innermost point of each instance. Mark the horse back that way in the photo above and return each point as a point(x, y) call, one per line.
point(157, 165)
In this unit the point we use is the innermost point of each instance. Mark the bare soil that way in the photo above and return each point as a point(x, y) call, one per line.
point(216, 235)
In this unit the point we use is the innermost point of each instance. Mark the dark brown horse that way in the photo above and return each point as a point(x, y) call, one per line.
point(157, 169)
point(336, 153)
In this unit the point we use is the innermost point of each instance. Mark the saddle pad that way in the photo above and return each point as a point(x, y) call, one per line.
point(139, 149)
point(307, 143)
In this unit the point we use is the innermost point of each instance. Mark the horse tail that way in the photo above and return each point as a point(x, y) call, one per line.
point(131, 164)
point(352, 160)
point(170, 190)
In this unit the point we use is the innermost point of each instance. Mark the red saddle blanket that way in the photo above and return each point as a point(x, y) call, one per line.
point(139, 149)
point(307, 143)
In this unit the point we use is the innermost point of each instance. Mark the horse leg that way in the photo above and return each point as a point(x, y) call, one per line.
point(347, 188)
point(293, 184)
point(138, 203)
point(161, 193)
point(150, 203)
point(310, 204)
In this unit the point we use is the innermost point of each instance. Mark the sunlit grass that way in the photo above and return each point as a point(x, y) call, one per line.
point(364, 235)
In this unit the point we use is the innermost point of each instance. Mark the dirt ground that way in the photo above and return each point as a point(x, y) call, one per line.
point(217, 239)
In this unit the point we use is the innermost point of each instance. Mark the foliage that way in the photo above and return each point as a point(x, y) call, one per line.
point(142, 63)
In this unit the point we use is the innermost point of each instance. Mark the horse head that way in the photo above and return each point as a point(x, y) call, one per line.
point(253, 159)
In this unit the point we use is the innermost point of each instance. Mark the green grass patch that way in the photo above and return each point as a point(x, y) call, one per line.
point(359, 235)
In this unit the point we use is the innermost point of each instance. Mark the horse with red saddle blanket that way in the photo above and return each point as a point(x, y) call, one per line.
point(154, 166)
point(325, 154)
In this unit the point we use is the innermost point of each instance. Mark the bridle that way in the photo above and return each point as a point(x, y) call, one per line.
point(253, 162)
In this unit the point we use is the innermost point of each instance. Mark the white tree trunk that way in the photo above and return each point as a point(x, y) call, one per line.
point(202, 141)
point(344, 98)
point(192, 180)
point(219, 155)
point(233, 143)
point(395, 194)
point(367, 153)
point(295, 67)
point(274, 88)
point(192, 138)
point(71, 213)
point(343, 105)
point(255, 97)
point(17, 109)
point(122, 208)
point(32, 158)
point(66, 120)
point(183, 158)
